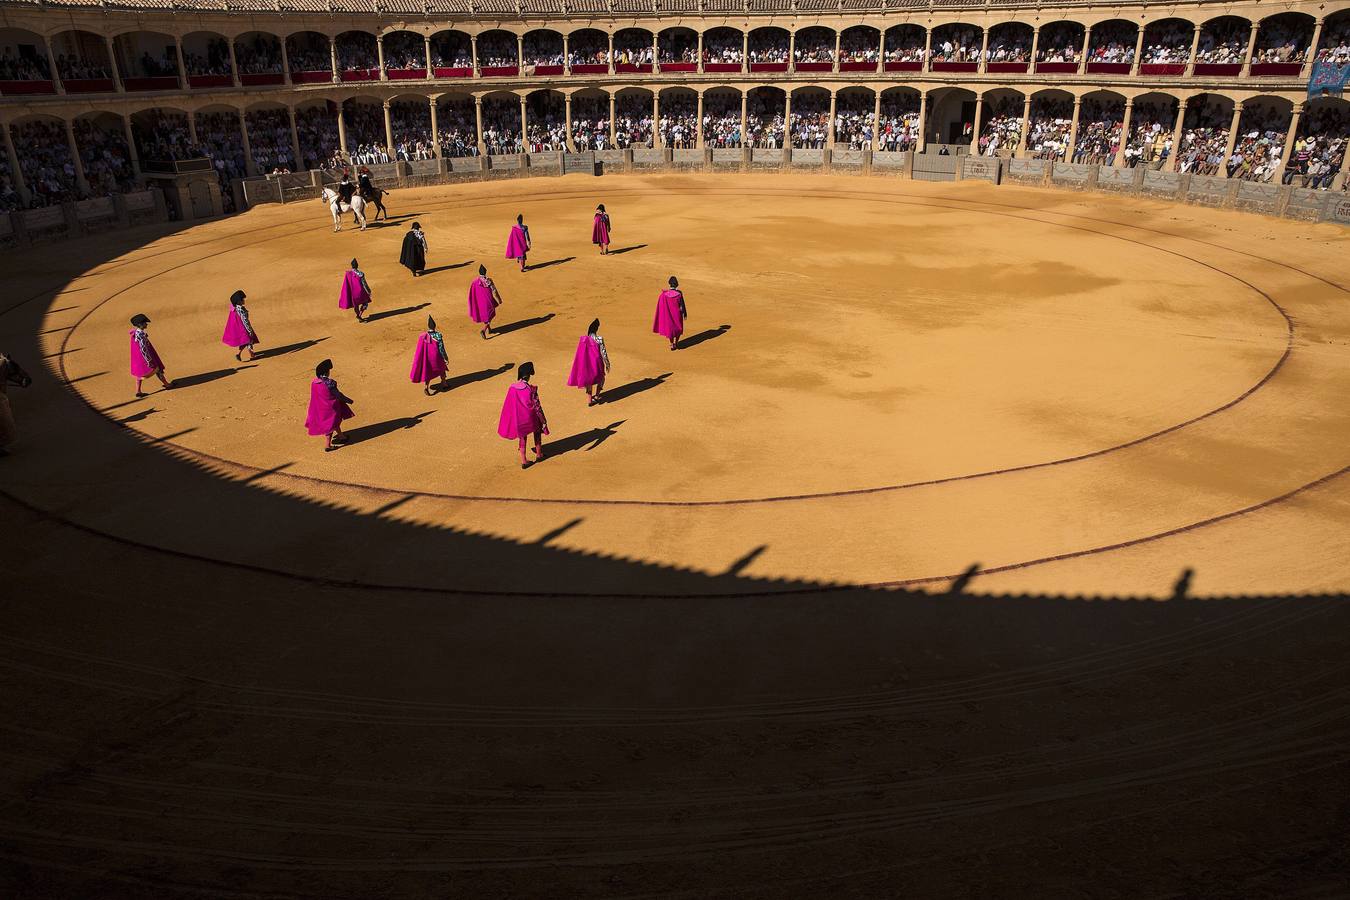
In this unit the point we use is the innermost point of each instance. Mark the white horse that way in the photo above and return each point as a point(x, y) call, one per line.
point(357, 208)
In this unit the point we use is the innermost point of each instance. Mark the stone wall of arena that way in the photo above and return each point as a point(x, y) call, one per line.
point(125, 27)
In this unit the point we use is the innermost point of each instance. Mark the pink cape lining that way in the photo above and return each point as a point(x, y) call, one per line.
point(138, 367)
point(481, 306)
point(515, 244)
point(668, 323)
point(325, 410)
point(427, 362)
point(588, 366)
point(352, 292)
point(236, 335)
point(600, 230)
point(519, 417)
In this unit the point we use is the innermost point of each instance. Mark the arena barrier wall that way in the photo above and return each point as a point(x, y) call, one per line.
point(72, 220)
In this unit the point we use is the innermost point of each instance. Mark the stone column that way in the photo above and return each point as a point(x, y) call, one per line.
point(975, 131)
point(342, 130)
point(379, 55)
point(182, 67)
point(745, 54)
point(613, 123)
point(15, 171)
point(388, 128)
point(113, 67)
point(792, 50)
point(658, 139)
point(1138, 51)
point(524, 128)
point(656, 52)
point(1289, 139)
point(1119, 161)
point(132, 154)
point(285, 64)
point(838, 41)
point(1339, 182)
point(787, 122)
point(435, 129)
point(1232, 138)
point(700, 52)
point(567, 124)
point(1176, 134)
point(234, 65)
point(1026, 126)
point(295, 140)
point(431, 71)
point(51, 65)
point(473, 51)
point(1251, 46)
point(921, 143)
point(698, 123)
point(192, 126)
point(1073, 130)
point(927, 49)
point(478, 116)
point(610, 35)
point(1087, 44)
point(80, 180)
point(1306, 72)
point(332, 59)
point(250, 167)
point(745, 138)
point(829, 136)
point(1035, 47)
point(876, 120)
point(984, 52)
point(1195, 46)
point(881, 51)
point(567, 57)
point(520, 52)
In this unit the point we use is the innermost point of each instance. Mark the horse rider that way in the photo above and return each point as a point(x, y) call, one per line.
point(364, 185)
point(346, 189)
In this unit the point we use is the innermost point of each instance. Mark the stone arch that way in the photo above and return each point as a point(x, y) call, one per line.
point(677, 49)
point(543, 48)
point(904, 48)
point(1001, 121)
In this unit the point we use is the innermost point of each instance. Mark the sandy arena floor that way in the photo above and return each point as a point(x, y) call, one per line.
point(257, 669)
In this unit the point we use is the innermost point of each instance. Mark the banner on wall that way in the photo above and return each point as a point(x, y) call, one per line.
point(1328, 78)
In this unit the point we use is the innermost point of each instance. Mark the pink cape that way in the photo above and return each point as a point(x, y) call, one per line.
point(427, 362)
point(482, 308)
point(600, 230)
point(669, 322)
point(515, 244)
point(353, 294)
point(325, 410)
point(236, 335)
point(588, 366)
point(521, 412)
point(138, 367)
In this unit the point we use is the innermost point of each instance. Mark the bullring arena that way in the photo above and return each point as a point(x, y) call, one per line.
point(985, 534)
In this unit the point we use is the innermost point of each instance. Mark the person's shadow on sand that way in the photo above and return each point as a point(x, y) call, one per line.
point(695, 340)
point(468, 378)
point(624, 391)
point(380, 429)
point(594, 438)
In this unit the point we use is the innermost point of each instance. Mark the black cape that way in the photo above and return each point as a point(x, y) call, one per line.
point(413, 256)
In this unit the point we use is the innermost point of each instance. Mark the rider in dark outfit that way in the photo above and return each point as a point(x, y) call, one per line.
point(364, 184)
point(346, 189)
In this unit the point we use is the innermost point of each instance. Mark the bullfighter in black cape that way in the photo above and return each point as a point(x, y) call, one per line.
point(414, 254)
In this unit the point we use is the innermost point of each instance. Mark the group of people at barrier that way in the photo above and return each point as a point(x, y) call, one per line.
point(215, 61)
point(31, 66)
point(260, 55)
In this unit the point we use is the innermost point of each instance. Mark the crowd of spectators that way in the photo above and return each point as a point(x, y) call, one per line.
point(1203, 138)
point(104, 156)
point(769, 45)
point(860, 45)
point(678, 46)
point(814, 45)
point(1223, 41)
point(259, 55)
point(1282, 41)
point(30, 66)
point(44, 161)
point(586, 48)
point(501, 126)
point(451, 50)
point(590, 123)
point(1319, 151)
point(854, 118)
point(1002, 125)
point(364, 124)
point(1009, 44)
point(269, 140)
point(764, 119)
point(1048, 128)
point(1149, 142)
point(163, 66)
point(543, 48)
point(405, 50)
point(898, 130)
point(956, 43)
point(721, 120)
point(410, 122)
point(723, 46)
point(1259, 145)
point(216, 61)
point(457, 128)
point(1098, 137)
point(220, 137)
point(309, 52)
point(678, 125)
point(1113, 42)
point(317, 129)
point(1168, 42)
point(356, 52)
point(74, 68)
point(633, 48)
point(633, 120)
point(905, 44)
point(810, 121)
point(546, 123)
point(1335, 44)
point(10, 199)
point(1061, 42)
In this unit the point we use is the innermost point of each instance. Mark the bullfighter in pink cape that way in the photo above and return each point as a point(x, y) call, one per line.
point(483, 301)
point(518, 243)
point(523, 415)
point(600, 230)
point(670, 313)
point(591, 364)
point(144, 360)
point(239, 332)
point(429, 358)
point(328, 407)
point(355, 291)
